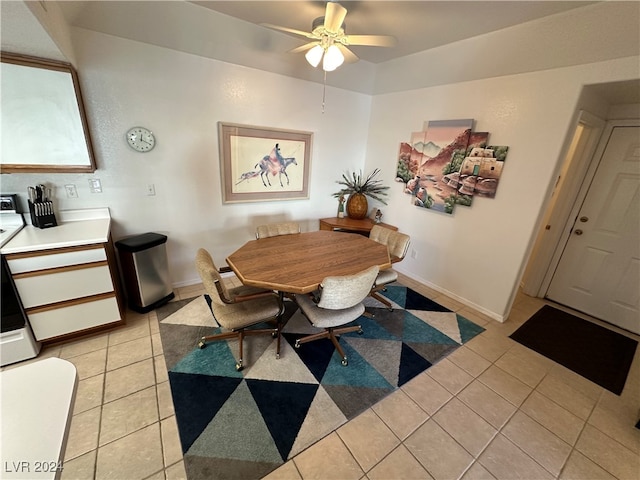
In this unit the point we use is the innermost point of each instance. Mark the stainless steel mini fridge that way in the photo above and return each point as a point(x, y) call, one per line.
point(144, 264)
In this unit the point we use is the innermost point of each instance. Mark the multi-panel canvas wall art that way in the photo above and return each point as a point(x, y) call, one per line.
point(490, 171)
point(464, 179)
point(448, 164)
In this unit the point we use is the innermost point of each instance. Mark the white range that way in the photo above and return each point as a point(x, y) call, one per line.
point(17, 342)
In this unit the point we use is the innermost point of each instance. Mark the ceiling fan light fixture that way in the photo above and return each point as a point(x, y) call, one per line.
point(329, 40)
point(314, 56)
point(333, 58)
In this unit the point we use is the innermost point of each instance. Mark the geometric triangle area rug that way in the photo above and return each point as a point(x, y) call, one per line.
point(246, 424)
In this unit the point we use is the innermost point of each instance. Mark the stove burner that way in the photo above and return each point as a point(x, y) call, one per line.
point(2, 230)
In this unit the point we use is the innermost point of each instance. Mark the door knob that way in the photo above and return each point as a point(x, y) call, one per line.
point(584, 219)
point(578, 232)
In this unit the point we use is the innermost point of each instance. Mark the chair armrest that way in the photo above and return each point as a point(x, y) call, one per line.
point(253, 296)
point(315, 295)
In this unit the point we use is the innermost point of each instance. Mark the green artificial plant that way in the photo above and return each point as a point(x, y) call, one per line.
point(369, 186)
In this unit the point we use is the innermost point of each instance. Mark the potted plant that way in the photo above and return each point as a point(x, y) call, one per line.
point(359, 188)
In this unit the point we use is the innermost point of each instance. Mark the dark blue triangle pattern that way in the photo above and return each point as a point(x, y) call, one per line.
point(284, 406)
point(393, 348)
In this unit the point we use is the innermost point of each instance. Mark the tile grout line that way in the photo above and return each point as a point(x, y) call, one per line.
point(102, 403)
point(476, 459)
point(518, 409)
point(432, 417)
point(572, 447)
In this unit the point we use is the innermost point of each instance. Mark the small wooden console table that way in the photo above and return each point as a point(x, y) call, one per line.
point(363, 226)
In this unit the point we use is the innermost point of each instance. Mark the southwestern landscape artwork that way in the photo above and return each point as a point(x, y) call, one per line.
point(447, 164)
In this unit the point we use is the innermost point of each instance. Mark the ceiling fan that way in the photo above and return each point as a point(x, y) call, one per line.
point(330, 40)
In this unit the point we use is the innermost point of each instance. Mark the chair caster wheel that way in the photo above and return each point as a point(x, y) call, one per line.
point(277, 356)
point(239, 367)
point(274, 335)
point(201, 345)
point(344, 362)
point(390, 309)
point(297, 344)
point(360, 332)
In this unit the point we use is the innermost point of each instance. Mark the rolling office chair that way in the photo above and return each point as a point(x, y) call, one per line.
point(338, 302)
point(275, 229)
point(398, 244)
point(237, 308)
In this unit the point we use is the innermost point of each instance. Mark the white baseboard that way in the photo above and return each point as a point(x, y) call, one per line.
point(494, 316)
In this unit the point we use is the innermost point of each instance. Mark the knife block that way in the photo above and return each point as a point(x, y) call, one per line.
point(42, 215)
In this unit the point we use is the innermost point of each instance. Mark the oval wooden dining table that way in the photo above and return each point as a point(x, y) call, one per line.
point(299, 262)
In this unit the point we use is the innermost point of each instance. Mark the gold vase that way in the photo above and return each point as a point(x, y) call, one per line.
point(357, 206)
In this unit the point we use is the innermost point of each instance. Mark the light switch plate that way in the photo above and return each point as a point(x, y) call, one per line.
point(71, 190)
point(95, 185)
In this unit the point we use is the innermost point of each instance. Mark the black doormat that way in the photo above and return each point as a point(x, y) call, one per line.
point(596, 353)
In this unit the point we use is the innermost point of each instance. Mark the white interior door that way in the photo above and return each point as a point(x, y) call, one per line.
point(599, 271)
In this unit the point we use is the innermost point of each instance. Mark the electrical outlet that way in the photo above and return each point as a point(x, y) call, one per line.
point(151, 189)
point(95, 186)
point(71, 190)
point(414, 254)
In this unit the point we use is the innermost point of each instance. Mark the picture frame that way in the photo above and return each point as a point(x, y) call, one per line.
point(262, 163)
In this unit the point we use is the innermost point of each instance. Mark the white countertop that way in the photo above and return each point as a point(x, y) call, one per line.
point(10, 224)
point(75, 227)
point(37, 400)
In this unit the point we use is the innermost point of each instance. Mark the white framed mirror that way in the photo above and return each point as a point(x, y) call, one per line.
point(43, 122)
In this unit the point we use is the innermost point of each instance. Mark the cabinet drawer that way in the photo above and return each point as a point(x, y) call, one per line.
point(20, 263)
point(80, 316)
point(28, 263)
point(64, 285)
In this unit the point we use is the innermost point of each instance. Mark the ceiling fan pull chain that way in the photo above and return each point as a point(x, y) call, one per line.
point(324, 89)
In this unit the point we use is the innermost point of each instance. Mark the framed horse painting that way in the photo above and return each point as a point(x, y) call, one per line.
point(259, 163)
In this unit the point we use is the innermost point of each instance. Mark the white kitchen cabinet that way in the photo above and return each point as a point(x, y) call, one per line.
point(69, 256)
point(60, 284)
point(73, 317)
point(66, 276)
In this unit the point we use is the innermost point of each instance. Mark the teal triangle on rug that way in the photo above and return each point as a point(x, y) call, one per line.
point(246, 424)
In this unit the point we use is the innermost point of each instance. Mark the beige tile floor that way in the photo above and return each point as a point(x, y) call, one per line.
point(492, 409)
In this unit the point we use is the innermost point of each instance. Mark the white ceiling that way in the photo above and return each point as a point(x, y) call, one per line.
point(418, 25)
point(230, 30)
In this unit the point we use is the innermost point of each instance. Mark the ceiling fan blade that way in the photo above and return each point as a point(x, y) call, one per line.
point(289, 30)
point(349, 56)
point(371, 40)
point(334, 17)
point(302, 48)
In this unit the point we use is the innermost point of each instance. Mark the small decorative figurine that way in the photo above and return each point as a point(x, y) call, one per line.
point(378, 217)
point(341, 206)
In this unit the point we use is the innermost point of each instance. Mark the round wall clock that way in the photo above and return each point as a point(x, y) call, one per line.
point(141, 139)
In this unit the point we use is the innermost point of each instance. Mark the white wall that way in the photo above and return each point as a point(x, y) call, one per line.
point(478, 253)
point(181, 98)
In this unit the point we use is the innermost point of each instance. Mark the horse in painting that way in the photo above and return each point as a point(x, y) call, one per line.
point(274, 164)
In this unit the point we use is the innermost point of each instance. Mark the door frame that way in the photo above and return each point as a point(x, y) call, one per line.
point(557, 221)
point(579, 200)
point(590, 139)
